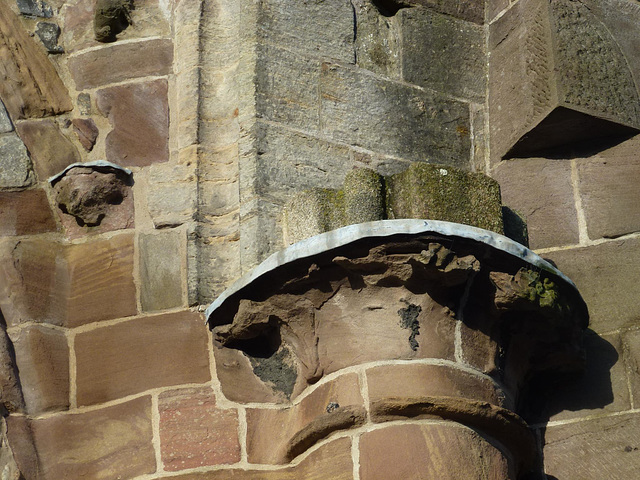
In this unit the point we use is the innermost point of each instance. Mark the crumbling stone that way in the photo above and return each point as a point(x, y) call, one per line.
point(49, 33)
point(110, 18)
point(86, 131)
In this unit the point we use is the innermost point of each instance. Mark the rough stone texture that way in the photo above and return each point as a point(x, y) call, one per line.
point(31, 86)
point(605, 447)
point(609, 195)
point(194, 432)
point(332, 460)
point(541, 191)
point(277, 436)
point(15, 164)
point(392, 118)
point(67, 285)
point(471, 10)
point(444, 451)
point(49, 33)
point(86, 131)
point(438, 192)
point(140, 354)
point(113, 442)
point(139, 115)
point(148, 19)
point(25, 213)
point(330, 32)
point(494, 7)
point(631, 345)
point(35, 8)
point(596, 270)
point(570, 82)
point(455, 49)
point(419, 380)
point(110, 18)
point(12, 399)
point(6, 125)
point(139, 59)
point(94, 197)
point(50, 150)
point(160, 274)
point(42, 357)
point(281, 97)
point(8, 464)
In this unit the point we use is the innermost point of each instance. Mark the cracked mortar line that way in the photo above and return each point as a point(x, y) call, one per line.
point(120, 42)
point(586, 418)
point(364, 391)
point(583, 235)
point(626, 354)
point(136, 270)
point(155, 426)
point(73, 370)
point(243, 428)
point(458, 351)
point(355, 456)
point(590, 243)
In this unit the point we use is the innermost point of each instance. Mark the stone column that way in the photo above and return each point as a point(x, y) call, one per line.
point(415, 340)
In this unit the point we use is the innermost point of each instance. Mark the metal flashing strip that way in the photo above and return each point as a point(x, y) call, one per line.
point(95, 164)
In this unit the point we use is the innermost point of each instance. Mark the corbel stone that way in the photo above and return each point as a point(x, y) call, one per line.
point(398, 293)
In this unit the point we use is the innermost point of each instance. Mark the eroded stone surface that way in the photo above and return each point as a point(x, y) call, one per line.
point(15, 164)
point(161, 275)
point(86, 131)
point(25, 213)
point(110, 18)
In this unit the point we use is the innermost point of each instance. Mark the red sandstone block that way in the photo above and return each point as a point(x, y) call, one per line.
point(141, 354)
point(139, 114)
point(194, 432)
point(330, 462)
point(109, 443)
point(270, 433)
point(25, 213)
point(42, 358)
point(446, 451)
point(121, 61)
point(541, 191)
point(69, 285)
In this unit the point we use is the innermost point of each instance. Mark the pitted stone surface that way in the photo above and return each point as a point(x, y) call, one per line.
point(15, 164)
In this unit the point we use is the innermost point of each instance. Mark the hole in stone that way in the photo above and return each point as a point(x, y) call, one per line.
point(388, 8)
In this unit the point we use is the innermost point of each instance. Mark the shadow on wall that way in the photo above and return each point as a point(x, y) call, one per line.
point(589, 391)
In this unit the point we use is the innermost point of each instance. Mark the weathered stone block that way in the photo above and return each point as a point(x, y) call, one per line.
point(444, 451)
point(95, 68)
point(557, 78)
point(42, 358)
point(12, 399)
point(140, 354)
point(332, 460)
point(112, 442)
point(471, 10)
point(139, 114)
point(277, 436)
point(6, 125)
point(25, 213)
point(35, 8)
point(86, 130)
point(149, 18)
point(631, 346)
point(67, 285)
point(393, 118)
point(454, 48)
point(438, 192)
point(49, 33)
point(15, 165)
point(160, 270)
point(605, 447)
point(542, 192)
point(287, 87)
point(314, 26)
point(610, 199)
point(597, 271)
point(420, 380)
point(31, 87)
point(50, 150)
point(194, 432)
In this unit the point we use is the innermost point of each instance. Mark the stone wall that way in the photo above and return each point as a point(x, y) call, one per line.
point(221, 111)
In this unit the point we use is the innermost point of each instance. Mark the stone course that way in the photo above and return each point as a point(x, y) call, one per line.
point(25, 213)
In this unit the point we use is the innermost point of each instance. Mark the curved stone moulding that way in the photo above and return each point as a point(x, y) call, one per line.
point(445, 321)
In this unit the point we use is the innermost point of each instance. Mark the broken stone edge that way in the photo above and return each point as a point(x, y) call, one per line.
point(341, 237)
point(98, 165)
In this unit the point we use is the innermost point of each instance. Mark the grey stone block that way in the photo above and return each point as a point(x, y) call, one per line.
point(35, 8)
point(6, 125)
point(49, 33)
point(393, 118)
point(287, 87)
point(15, 164)
point(160, 270)
point(443, 53)
point(319, 27)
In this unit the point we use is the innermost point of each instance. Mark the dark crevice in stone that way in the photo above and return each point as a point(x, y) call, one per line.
point(409, 320)
point(277, 370)
point(388, 8)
